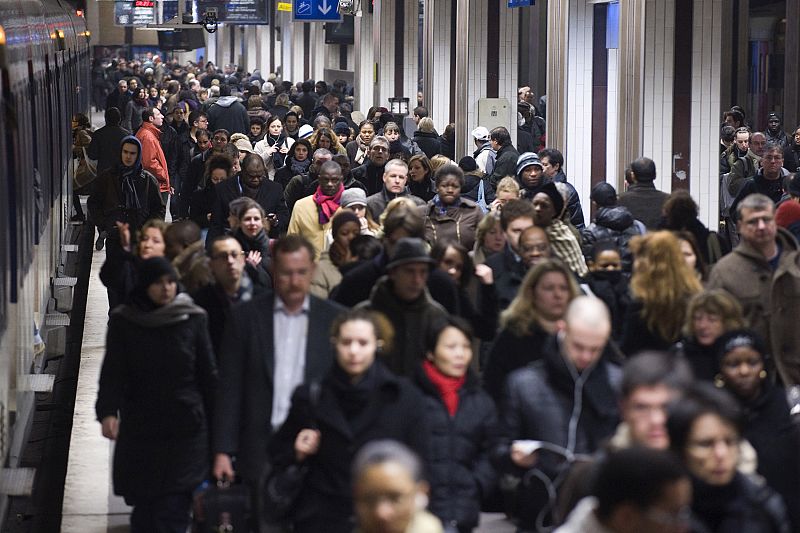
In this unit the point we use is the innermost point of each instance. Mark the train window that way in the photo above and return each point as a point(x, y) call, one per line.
point(4, 199)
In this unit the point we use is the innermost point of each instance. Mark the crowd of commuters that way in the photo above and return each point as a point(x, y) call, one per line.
point(373, 337)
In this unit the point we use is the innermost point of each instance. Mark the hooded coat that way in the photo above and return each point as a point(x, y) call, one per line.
point(614, 224)
point(230, 114)
point(107, 204)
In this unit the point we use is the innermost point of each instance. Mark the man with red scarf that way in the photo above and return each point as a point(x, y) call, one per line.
point(311, 216)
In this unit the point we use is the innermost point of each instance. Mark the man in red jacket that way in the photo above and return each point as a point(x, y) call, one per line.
point(153, 159)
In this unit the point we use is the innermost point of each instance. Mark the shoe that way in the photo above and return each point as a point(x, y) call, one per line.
point(101, 241)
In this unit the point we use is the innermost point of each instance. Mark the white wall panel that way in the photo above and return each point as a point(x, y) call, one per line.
point(706, 73)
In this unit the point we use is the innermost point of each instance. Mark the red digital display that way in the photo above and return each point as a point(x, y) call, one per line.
point(144, 3)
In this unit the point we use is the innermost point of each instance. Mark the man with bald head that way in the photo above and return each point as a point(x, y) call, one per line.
point(312, 215)
point(254, 183)
point(568, 398)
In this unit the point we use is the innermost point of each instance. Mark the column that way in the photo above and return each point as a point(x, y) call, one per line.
point(631, 73)
point(558, 33)
point(706, 75)
point(251, 49)
point(363, 82)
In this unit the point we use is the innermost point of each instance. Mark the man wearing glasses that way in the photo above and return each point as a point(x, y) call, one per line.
point(231, 285)
point(770, 180)
point(763, 273)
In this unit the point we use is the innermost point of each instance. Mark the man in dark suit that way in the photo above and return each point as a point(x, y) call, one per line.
point(259, 370)
point(253, 182)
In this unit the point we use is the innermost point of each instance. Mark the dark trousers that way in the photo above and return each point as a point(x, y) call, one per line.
point(168, 513)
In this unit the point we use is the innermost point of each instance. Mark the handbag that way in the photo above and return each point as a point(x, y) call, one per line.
point(222, 507)
point(283, 486)
point(84, 172)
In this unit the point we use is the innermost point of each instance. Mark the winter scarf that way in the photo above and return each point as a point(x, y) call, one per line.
point(327, 204)
point(448, 387)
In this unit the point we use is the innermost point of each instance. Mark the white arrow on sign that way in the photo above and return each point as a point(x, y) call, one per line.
point(325, 8)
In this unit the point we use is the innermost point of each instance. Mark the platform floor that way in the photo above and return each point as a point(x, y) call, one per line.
point(89, 502)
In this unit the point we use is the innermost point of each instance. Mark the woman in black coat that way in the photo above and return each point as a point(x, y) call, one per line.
point(359, 401)
point(156, 388)
point(768, 426)
point(298, 159)
point(462, 423)
point(252, 235)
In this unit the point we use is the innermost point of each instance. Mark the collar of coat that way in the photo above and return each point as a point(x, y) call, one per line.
point(789, 256)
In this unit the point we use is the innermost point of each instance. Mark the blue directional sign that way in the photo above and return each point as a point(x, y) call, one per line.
point(521, 3)
point(316, 10)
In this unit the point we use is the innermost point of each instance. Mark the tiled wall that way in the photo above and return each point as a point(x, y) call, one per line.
point(706, 105)
point(659, 66)
point(441, 64)
point(578, 153)
point(612, 128)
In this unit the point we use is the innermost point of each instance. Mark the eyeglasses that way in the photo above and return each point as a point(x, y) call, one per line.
point(379, 149)
point(224, 256)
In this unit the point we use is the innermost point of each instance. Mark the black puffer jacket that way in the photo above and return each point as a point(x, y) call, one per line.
point(614, 224)
point(540, 404)
point(458, 468)
point(428, 143)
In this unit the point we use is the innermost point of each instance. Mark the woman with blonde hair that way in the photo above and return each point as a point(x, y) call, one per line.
point(438, 161)
point(661, 286)
point(541, 301)
point(421, 177)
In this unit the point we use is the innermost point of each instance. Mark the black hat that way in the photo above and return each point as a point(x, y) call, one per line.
point(152, 269)
point(341, 127)
point(409, 250)
point(551, 190)
point(739, 338)
point(468, 164)
point(604, 195)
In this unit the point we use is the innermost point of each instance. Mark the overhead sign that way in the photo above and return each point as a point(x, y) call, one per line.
point(236, 11)
point(316, 10)
point(134, 13)
point(521, 3)
point(285, 6)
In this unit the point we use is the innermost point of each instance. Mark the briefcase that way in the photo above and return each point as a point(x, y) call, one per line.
point(222, 508)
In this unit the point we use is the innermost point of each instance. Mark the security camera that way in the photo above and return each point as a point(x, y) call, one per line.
point(348, 7)
point(209, 21)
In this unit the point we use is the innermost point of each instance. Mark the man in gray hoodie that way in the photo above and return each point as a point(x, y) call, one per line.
point(228, 113)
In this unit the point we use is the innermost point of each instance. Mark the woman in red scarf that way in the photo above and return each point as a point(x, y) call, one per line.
point(462, 423)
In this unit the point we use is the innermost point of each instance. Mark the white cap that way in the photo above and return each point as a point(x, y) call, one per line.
point(305, 131)
point(480, 134)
